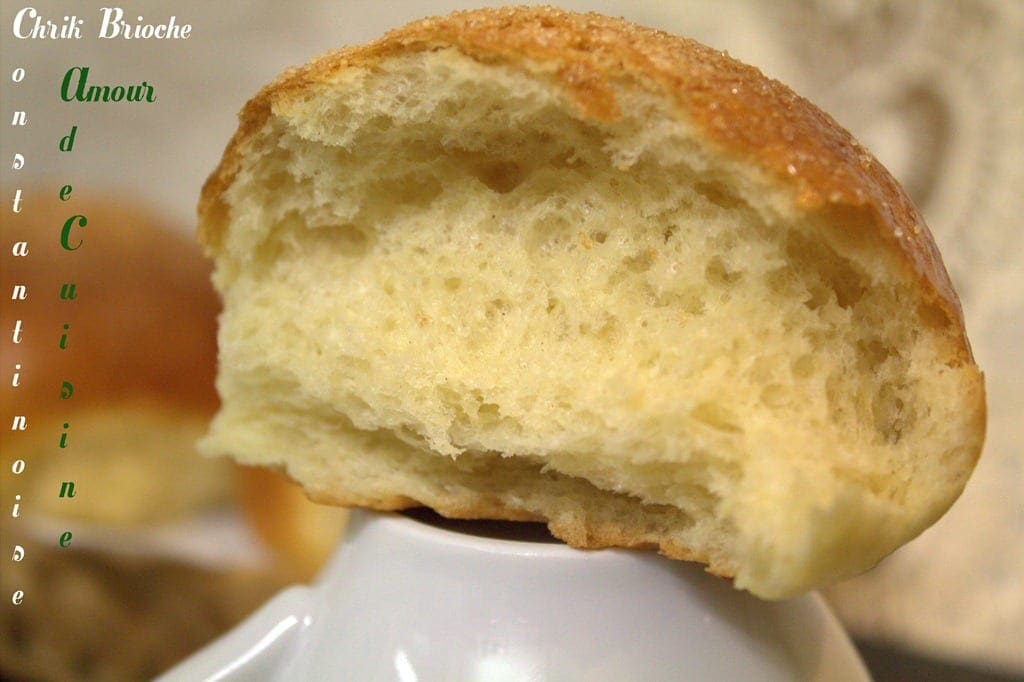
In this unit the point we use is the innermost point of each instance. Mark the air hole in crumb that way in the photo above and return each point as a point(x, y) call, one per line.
point(407, 434)
point(827, 274)
point(600, 237)
point(933, 316)
point(488, 413)
point(396, 193)
point(553, 233)
point(640, 262)
point(781, 281)
point(689, 299)
point(871, 353)
point(692, 303)
point(838, 404)
point(497, 306)
point(452, 283)
point(819, 296)
point(849, 289)
point(717, 417)
point(717, 274)
point(773, 395)
point(717, 194)
point(803, 366)
point(891, 414)
point(957, 455)
point(500, 176)
point(609, 330)
point(345, 240)
point(379, 122)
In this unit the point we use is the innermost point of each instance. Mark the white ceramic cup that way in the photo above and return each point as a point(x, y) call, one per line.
point(409, 599)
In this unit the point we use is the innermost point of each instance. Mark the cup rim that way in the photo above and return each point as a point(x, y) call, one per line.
point(421, 530)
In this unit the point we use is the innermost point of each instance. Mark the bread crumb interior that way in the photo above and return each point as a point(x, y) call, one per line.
point(445, 275)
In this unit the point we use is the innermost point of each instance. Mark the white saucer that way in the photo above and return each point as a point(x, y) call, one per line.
point(408, 599)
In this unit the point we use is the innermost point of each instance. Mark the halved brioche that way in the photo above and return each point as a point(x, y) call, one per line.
point(528, 264)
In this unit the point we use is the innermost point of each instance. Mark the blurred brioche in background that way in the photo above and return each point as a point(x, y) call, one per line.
point(140, 358)
point(301, 534)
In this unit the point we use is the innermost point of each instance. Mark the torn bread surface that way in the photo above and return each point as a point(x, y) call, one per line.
point(458, 278)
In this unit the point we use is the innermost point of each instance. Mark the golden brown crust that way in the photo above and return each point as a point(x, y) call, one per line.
point(575, 529)
point(738, 109)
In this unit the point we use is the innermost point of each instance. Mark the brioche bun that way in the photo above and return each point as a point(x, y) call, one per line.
point(140, 355)
point(533, 265)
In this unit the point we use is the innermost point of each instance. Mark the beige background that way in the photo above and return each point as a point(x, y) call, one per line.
point(935, 89)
